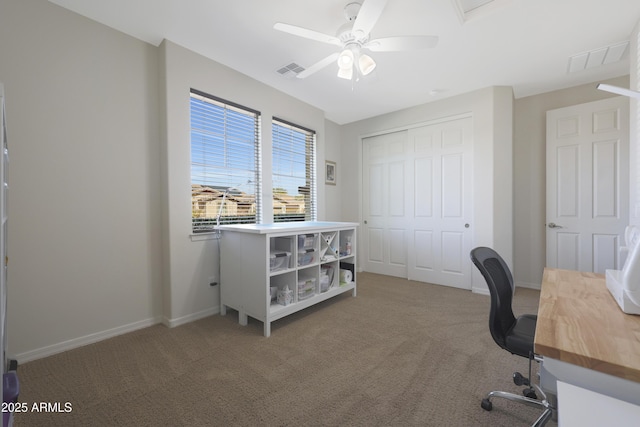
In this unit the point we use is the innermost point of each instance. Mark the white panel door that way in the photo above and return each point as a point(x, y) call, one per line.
point(417, 192)
point(442, 193)
point(587, 184)
point(384, 234)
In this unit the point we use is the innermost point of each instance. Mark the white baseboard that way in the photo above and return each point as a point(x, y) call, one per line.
point(172, 323)
point(528, 285)
point(480, 290)
point(485, 291)
point(50, 350)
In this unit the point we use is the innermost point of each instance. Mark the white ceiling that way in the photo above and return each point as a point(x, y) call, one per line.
point(525, 44)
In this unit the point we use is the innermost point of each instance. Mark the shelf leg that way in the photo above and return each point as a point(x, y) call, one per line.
point(242, 318)
point(223, 310)
point(267, 329)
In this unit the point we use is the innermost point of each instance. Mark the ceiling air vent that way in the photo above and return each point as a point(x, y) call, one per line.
point(597, 57)
point(290, 70)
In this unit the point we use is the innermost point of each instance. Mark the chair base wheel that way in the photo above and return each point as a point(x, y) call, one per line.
point(519, 379)
point(486, 404)
point(530, 393)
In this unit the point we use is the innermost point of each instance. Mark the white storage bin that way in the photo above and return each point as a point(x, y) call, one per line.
point(279, 260)
point(307, 241)
point(325, 282)
point(306, 288)
point(326, 277)
point(306, 257)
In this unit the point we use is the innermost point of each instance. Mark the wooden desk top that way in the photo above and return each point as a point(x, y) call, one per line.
point(579, 322)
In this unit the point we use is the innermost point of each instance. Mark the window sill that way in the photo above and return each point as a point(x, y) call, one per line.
point(198, 237)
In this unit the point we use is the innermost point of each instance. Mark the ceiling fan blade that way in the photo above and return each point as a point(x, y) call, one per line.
point(368, 15)
point(318, 65)
point(619, 90)
point(399, 43)
point(307, 34)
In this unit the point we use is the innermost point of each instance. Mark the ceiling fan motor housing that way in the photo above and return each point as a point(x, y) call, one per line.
point(346, 35)
point(351, 11)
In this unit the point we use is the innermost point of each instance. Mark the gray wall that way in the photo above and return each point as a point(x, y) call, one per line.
point(333, 207)
point(84, 200)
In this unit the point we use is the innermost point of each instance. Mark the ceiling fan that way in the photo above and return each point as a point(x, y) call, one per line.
point(353, 40)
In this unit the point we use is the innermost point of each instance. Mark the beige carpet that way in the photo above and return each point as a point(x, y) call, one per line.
point(401, 353)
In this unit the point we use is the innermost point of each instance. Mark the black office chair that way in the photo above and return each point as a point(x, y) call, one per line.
point(512, 334)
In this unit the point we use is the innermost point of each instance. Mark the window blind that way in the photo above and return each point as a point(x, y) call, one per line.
point(225, 163)
point(294, 172)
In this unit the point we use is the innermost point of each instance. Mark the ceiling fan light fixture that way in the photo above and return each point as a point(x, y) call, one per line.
point(366, 64)
point(345, 73)
point(345, 60)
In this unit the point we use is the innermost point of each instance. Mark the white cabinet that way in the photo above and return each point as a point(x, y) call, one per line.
point(269, 271)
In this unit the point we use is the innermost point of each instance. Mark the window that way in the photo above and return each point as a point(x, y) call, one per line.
point(225, 163)
point(294, 172)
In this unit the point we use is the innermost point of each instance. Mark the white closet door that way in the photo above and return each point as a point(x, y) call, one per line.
point(417, 194)
point(386, 205)
point(442, 196)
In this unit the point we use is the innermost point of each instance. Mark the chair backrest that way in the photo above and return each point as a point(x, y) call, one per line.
point(500, 282)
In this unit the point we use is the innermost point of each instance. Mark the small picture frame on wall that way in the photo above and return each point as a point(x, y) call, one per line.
point(330, 172)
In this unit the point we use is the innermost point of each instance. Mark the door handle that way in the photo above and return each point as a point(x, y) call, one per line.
point(554, 225)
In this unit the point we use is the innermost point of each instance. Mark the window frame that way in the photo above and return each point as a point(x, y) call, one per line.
point(228, 188)
point(311, 178)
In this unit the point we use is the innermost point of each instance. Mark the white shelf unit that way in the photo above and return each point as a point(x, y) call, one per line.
point(296, 256)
